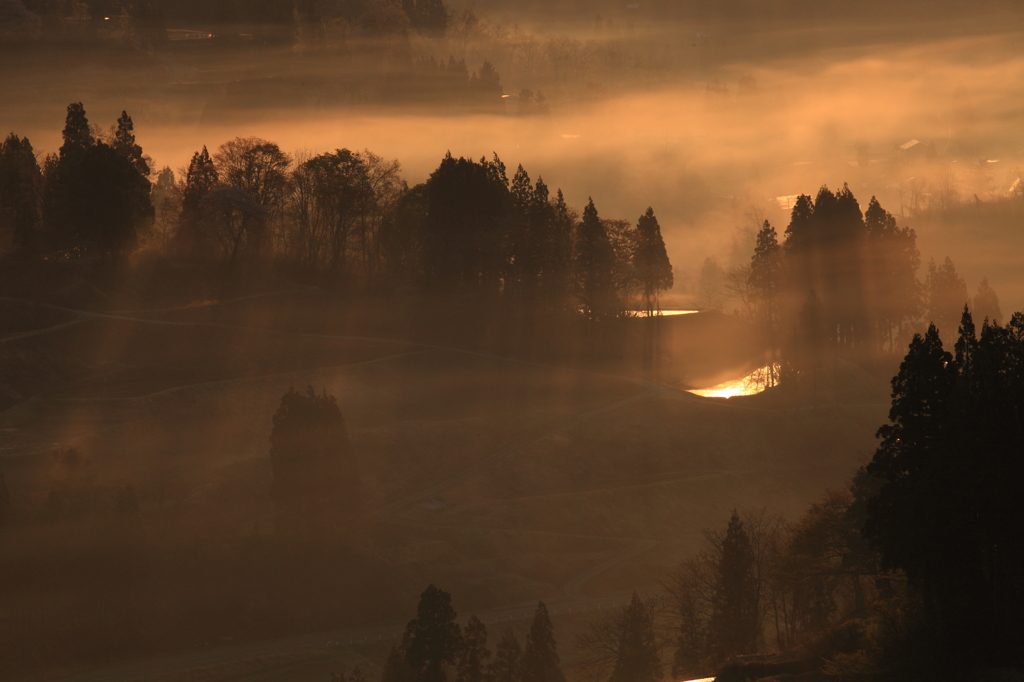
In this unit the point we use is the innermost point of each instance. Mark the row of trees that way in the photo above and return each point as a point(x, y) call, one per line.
point(434, 646)
point(341, 217)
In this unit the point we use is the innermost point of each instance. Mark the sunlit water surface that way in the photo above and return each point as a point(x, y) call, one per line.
point(751, 384)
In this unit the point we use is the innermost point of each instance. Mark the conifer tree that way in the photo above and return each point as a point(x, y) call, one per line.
point(985, 305)
point(124, 144)
point(637, 658)
point(734, 625)
point(508, 659)
point(651, 260)
point(594, 262)
point(540, 655)
point(77, 133)
point(472, 663)
point(21, 192)
point(432, 639)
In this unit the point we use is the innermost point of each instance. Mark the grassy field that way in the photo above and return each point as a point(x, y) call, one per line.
point(503, 481)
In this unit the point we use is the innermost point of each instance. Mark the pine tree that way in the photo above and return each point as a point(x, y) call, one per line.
point(985, 305)
point(651, 260)
point(594, 262)
point(472, 663)
point(765, 282)
point(540, 655)
point(637, 658)
point(200, 179)
point(433, 639)
point(508, 659)
point(734, 625)
point(21, 192)
point(124, 144)
point(77, 133)
point(947, 294)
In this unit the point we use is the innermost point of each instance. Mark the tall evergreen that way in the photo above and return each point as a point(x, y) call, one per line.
point(508, 659)
point(77, 133)
point(432, 639)
point(124, 144)
point(21, 192)
point(540, 655)
point(472, 661)
point(594, 262)
point(637, 658)
point(985, 305)
point(734, 625)
point(651, 260)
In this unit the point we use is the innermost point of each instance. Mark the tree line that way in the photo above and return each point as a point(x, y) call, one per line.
point(434, 645)
point(844, 283)
point(341, 218)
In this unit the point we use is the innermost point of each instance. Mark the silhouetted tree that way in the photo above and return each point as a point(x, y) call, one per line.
point(259, 168)
point(232, 219)
point(985, 305)
point(21, 192)
point(540, 655)
point(330, 191)
point(472, 661)
point(316, 480)
point(77, 133)
point(429, 17)
point(948, 511)
point(735, 621)
point(104, 201)
point(947, 295)
point(123, 142)
point(637, 658)
point(467, 203)
point(891, 270)
point(765, 282)
point(651, 261)
point(201, 178)
point(508, 659)
point(594, 261)
point(433, 639)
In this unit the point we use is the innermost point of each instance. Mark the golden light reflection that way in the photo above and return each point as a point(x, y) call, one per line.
point(751, 384)
point(666, 313)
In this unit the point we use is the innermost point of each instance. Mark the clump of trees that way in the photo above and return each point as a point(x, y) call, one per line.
point(842, 283)
point(947, 513)
point(93, 196)
point(435, 648)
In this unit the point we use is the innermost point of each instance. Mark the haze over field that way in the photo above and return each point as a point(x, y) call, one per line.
point(321, 315)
